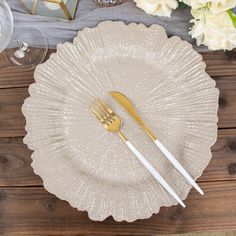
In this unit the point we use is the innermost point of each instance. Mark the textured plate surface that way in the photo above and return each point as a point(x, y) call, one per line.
point(92, 169)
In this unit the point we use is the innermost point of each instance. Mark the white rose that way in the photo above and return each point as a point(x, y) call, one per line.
point(157, 7)
point(215, 6)
point(194, 2)
point(214, 31)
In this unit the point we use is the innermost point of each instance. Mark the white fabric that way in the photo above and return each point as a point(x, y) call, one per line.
point(89, 14)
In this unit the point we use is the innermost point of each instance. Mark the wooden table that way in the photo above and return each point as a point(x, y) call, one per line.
point(27, 208)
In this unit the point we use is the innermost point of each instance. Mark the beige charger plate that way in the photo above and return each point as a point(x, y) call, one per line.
point(92, 169)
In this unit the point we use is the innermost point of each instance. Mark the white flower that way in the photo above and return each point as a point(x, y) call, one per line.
point(157, 7)
point(218, 6)
point(215, 31)
point(215, 6)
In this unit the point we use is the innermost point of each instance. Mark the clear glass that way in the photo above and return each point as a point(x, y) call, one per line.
point(109, 3)
point(26, 46)
point(6, 25)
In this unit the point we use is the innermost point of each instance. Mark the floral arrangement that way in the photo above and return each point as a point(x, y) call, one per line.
point(213, 23)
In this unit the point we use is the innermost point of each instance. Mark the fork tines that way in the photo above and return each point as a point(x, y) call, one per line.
point(101, 110)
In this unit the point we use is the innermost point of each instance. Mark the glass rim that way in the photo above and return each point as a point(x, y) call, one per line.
point(9, 13)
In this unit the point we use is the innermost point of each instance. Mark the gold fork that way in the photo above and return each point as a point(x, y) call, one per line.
point(112, 123)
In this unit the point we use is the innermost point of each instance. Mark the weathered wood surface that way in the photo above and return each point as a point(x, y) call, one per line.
point(15, 169)
point(34, 211)
point(26, 208)
point(12, 122)
point(218, 64)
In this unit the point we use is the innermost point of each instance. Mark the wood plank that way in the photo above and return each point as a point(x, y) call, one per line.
point(15, 169)
point(227, 101)
point(223, 163)
point(186, 234)
point(204, 234)
point(219, 55)
point(15, 164)
point(11, 77)
point(218, 63)
point(12, 122)
point(34, 211)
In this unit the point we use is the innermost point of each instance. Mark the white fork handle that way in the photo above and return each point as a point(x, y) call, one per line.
point(177, 165)
point(154, 172)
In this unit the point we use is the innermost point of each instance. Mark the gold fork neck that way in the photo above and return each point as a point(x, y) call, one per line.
point(122, 136)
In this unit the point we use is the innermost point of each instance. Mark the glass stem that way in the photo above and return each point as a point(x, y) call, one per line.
point(22, 46)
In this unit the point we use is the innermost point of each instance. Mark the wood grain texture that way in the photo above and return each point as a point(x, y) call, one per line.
point(218, 64)
point(34, 211)
point(223, 163)
point(26, 208)
point(15, 160)
point(11, 77)
point(12, 122)
point(185, 234)
point(227, 101)
point(205, 234)
point(15, 164)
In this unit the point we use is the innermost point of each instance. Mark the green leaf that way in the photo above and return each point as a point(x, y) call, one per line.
point(182, 5)
point(232, 17)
